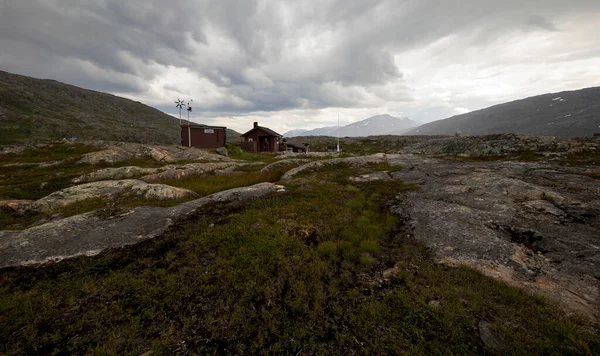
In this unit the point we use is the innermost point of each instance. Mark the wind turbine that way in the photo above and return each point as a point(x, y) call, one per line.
point(179, 104)
point(189, 109)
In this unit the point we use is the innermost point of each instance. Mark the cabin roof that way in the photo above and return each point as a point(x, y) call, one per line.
point(265, 129)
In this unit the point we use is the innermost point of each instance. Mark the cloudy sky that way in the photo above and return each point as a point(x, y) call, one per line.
point(297, 64)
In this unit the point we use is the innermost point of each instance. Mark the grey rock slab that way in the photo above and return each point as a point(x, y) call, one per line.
point(88, 234)
point(114, 173)
point(371, 177)
point(490, 338)
point(533, 227)
point(355, 161)
point(169, 154)
point(108, 188)
point(172, 172)
point(283, 163)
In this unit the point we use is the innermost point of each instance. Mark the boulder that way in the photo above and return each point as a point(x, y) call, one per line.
point(106, 189)
point(371, 177)
point(169, 154)
point(16, 205)
point(114, 174)
point(192, 169)
point(283, 163)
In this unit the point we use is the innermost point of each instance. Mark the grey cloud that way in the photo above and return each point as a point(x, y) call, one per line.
point(127, 42)
point(541, 22)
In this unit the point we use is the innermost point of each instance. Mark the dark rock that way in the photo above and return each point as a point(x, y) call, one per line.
point(490, 338)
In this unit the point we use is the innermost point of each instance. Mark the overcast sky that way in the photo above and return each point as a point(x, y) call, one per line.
point(297, 64)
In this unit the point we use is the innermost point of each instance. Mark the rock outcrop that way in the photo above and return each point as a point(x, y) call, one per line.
point(89, 234)
point(168, 172)
point(168, 154)
point(352, 161)
point(531, 225)
point(172, 172)
point(107, 189)
point(114, 174)
point(502, 145)
point(283, 163)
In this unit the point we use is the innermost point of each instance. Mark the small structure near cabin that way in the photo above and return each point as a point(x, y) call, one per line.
point(297, 148)
point(597, 134)
point(203, 136)
point(260, 139)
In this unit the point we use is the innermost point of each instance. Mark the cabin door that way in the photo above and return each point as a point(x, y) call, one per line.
point(264, 144)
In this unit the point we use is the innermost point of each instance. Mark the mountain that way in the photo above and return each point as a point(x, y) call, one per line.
point(37, 110)
point(296, 132)
point(375, 125)
point(568, 113)
point(321, 131)
point(232, 136)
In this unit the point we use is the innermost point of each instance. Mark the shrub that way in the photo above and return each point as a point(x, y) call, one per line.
point(367, 260)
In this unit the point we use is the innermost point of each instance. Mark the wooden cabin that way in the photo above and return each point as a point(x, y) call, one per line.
point(261, 139)
point(203, 136)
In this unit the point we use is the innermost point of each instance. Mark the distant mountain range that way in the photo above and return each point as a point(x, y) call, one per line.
point(375, 125)
point(568, 113)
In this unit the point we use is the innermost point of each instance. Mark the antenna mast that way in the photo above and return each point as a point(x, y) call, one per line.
point(338, 134)
point(189, 109)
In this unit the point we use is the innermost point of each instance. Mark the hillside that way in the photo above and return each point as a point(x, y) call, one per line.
point(569, 113)
point(374, 125)
point(39, 110)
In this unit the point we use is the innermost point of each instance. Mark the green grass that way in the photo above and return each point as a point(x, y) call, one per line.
point(575, 159)
point(582, 158)
point(34, 183)
point(295, 273)
point(30, 181)
point(48, 153)
point(525, 156)
point(236, 152)
point(211, 183)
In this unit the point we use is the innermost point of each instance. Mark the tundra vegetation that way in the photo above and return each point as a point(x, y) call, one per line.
point(322, 268)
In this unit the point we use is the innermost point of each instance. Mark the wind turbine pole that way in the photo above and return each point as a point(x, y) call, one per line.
point(338, 133)
point(189, 129)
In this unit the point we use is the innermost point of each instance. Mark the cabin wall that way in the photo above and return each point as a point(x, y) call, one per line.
point(202, 139)
point(255, 136)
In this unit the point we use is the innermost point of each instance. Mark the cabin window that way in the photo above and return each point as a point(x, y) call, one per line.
point(250, 139)
point(209, 131)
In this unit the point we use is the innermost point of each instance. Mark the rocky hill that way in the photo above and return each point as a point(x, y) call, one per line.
point(39, 110)
point(375, 125)
point(569, 113)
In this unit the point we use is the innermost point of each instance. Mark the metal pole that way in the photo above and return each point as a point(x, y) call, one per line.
point(338, 133)
point(189, 130)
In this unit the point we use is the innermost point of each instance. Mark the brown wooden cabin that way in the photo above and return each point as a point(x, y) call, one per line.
point(203, 136)
point(261, 139)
